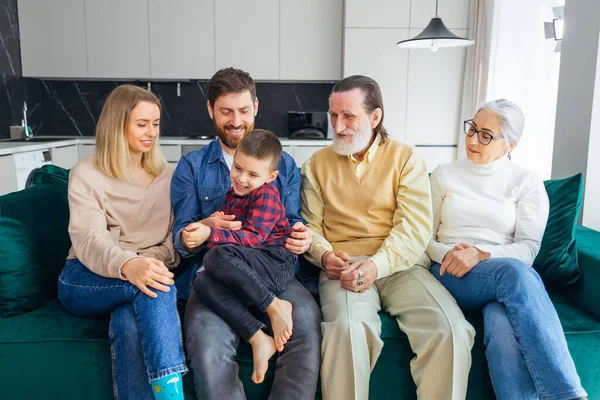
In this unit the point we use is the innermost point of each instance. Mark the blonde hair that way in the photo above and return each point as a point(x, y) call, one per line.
point(112, 156)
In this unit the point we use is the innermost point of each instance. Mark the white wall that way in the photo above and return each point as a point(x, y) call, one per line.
point(591, 215)
point(577, 128)
point(524, 68)
point(421, 90)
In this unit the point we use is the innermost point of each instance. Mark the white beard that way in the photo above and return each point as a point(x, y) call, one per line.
point(360, 140)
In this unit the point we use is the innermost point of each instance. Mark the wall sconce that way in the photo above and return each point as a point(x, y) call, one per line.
point(554, 30)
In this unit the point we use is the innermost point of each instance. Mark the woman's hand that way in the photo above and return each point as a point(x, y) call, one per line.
point(461, 259)
point(145, 273)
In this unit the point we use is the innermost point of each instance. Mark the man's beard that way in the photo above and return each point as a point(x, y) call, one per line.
point(232, 141)
point(360, 140)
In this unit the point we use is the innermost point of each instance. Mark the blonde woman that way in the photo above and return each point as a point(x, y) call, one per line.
point(120, 227)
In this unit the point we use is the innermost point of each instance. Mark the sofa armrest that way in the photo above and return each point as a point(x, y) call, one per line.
point(585, 294)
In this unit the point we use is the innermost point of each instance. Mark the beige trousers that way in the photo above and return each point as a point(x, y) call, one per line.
point(437, 331)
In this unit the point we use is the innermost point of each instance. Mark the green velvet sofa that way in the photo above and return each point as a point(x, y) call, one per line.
point(46, 353)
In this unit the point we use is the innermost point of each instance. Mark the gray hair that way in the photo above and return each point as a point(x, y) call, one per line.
point(512, 120)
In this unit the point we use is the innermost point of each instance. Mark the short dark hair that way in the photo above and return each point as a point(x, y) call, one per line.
point(229, 80)
point(262, 144)
point(373, 97)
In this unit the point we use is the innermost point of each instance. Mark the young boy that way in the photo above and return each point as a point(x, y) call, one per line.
point(256, 266)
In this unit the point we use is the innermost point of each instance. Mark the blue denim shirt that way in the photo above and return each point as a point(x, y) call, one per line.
point(202, 178)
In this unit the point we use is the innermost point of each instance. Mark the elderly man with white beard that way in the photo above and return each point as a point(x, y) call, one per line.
point(367, 200)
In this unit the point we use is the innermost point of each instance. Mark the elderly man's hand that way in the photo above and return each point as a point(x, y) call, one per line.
point(334, 262)
point(359, 276)
point(461, 259)
point(301, 239)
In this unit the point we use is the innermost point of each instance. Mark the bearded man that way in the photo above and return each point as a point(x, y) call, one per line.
point(367, 200)
point(197, 190)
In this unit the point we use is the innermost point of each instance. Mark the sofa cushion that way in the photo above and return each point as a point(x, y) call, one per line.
point(585, 294)
point(49, 174)
point(557, 260)
point(35, 243)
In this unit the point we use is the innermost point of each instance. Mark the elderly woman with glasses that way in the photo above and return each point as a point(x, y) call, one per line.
point(489, 219)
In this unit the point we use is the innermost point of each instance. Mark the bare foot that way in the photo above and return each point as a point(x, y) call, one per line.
point(263, 348)
point(280, 314)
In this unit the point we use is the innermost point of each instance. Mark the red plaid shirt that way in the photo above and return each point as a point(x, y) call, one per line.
point(263, 218)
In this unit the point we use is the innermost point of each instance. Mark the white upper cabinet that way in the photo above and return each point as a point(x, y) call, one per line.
point(311, 39)
point(117, 39)
point(182, 39)
point(52, 35)
point(454, 13)
point(435, 95)
point(390, 70)
point(247, 36)
point(378, 13)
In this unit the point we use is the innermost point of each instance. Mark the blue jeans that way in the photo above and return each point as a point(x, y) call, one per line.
point(145, 333)
point(212, 345)
point(526, 348)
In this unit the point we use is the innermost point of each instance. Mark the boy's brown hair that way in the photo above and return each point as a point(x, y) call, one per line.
point(262, 144)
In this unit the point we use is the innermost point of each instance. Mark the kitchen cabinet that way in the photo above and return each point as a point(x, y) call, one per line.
point(182, 39)
point(117, 39)
point(422, 101)
point(311, 39)
point(303, 153)
point(65, 157)
point(8, 177)
point(53, 38)
point(186, 148)
point(172, 152)
point(86, 150)
point(247, 37)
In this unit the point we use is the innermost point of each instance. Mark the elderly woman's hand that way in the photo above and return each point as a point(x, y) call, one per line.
point(461, 259)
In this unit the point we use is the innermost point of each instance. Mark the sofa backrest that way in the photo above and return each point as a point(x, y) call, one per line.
point(34, 245)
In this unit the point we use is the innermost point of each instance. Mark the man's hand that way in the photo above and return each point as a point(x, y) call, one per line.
point(300, 240)
point(219, 220)
point(194, 235)
point(146, 272)
point(350, 278)
point(461, 259)
point(334, 262)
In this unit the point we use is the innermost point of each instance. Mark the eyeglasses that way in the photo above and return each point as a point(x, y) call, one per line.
point(484, 138)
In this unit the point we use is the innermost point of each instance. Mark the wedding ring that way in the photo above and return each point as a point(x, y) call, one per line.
point(360, 282)
point(147, 281)
point(361, 273)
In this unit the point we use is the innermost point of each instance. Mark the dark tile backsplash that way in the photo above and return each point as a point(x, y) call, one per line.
point(72, 107)
point(12, 86)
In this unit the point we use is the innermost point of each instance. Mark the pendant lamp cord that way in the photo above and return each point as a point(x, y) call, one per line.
point(436, 9)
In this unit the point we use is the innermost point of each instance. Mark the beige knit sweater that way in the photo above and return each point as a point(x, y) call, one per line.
point(113, 221)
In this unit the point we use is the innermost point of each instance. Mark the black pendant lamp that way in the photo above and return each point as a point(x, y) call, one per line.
point(436, 35)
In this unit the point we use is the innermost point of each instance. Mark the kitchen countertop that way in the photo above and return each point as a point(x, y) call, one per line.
point(8, 147)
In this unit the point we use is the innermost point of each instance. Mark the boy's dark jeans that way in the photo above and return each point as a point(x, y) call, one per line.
point(239, 277)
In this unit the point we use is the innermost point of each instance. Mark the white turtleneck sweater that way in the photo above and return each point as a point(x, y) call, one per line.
point(498, 207)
